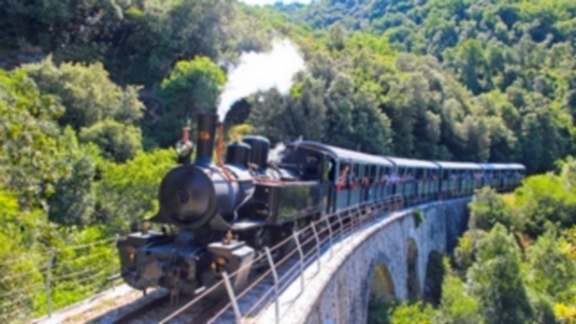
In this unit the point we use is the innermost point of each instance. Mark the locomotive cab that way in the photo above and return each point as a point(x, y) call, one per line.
point(308, 164)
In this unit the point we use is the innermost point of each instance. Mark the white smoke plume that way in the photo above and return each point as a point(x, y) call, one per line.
point(261, 71)
point(276, 154)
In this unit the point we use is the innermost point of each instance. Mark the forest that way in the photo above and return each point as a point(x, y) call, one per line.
point(93, 94)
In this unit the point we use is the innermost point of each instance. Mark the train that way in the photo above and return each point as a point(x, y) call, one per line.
point(218, 214)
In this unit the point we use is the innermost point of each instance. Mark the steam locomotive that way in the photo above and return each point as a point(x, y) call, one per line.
point(223, 214)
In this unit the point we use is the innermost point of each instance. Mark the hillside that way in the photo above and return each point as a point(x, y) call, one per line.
point(93, 94)
point(514, 58)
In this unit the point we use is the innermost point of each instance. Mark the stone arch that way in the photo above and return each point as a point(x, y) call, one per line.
point(380, 292)
point(412, 283)
point(435, 272)
point(381, 284)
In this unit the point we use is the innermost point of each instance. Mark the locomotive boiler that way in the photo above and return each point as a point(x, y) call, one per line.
point(217, 215)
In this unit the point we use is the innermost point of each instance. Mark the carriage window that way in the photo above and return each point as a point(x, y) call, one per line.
point(402, 172)
point(312, 159)
point(313, 165)
point(408, 174)
point(344, 171)
point(355, 171)
point(419, 174)
point(384, 175)
point(372, 172)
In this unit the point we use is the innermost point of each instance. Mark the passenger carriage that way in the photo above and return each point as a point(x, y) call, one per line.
point(459, 178)
point(352, 177)
point(503, 176)
point(416, 180)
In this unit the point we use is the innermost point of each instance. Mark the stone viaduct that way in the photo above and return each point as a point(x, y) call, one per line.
point(386, 259)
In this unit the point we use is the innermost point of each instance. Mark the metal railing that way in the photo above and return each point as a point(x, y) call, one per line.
point(44, 280)
point(305, 247)
point(41, 282)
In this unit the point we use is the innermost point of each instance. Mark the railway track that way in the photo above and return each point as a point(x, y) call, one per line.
point(258, 293)
point(204, 312)
point(155, 310)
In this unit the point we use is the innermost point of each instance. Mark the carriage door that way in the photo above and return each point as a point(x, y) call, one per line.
point(342, 186)
point(356, 187)
point(374, 183)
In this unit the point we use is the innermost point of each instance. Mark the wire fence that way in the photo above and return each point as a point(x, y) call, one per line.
point(36, 285)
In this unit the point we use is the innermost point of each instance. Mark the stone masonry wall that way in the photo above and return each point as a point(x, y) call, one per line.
point(340, 292)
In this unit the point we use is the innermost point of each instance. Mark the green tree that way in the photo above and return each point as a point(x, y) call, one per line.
point(337, 39)
point(128, 192)
point(495, 280)
point(418, 312)
point(74, 30)
point(544, 200)
point(339, 115)
point(551, 270)
point(73, 200)
point(465, 252)
point(472, 65)
point(118, 142)
point(20, 232)
point(191, 86)
point(456, 306)
point(87, 93)
point(488, 209)
point(30, 140)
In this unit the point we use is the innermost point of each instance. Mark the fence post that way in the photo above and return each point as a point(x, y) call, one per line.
point(301, 260)
point(112, 265)
point(48, 282)
point(317, 244)
point(354, 221)
point(275, 276)
point(341, 229)
point(330, 233)
point(233, 300)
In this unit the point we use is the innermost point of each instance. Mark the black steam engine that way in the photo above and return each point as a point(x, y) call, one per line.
point(219, 216)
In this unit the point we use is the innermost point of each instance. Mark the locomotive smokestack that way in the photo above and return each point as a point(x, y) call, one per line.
point(207, 122)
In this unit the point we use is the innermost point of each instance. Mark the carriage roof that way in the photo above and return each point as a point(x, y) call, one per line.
point(412, 163)
point(502, 166)
point(343, 154)
point(458, 165)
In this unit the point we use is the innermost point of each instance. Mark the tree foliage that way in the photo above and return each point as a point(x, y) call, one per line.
point(86, 92)
point(488, 209)
point(118, 142)
point(127, 192)
point(192, 86)
point(511, 97)
point(495, 280)
point(456, 306)
point(84, 131)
